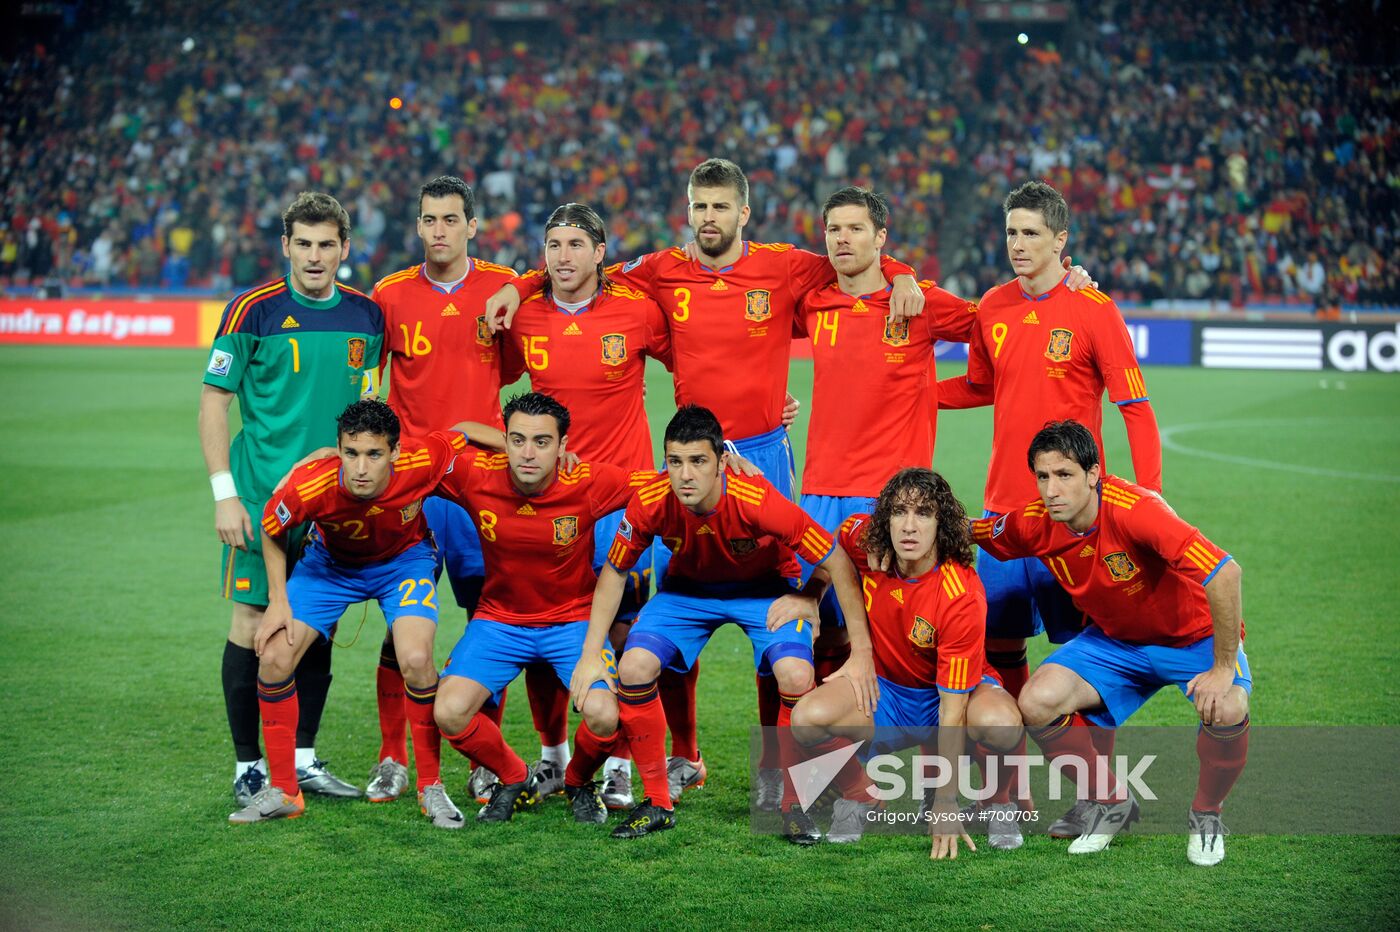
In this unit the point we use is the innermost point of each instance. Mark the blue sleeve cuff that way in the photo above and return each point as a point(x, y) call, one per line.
point(1226, 559)
point(1131, 401)
point(945, 689)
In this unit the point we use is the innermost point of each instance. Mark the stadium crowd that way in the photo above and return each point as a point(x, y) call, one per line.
point(1225, 152)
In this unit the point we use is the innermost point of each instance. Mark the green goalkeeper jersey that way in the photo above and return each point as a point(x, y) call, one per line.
point(294, 363)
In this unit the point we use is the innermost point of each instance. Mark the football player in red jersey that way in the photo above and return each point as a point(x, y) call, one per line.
point(585, 340)
point(536, 520)
point(369, 540)
point(733, 541)
point(928, 624)
point(730, 312)
point(1041, 352)
point(444, 367)
point(1165, 608)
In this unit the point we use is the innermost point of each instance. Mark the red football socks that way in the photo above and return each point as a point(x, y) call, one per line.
point(1222, 750)
point(678, 699)
point(789, 751)
point(1069, 737)
point(1011, 666)
point(279, 708)
point(482, 741)
point(644, 726)
point(388, 683)
point(590, 751)
point(427, 740)
point(549, 704)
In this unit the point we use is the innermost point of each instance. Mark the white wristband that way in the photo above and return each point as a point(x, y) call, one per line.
point(222, 484)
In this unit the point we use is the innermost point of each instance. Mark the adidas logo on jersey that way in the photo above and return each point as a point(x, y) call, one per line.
point(290, 322)
point(374, 510)
point(704, 529)
point(859, 307)
point(1088, 551)
point(1030, 318)
point(451, 310)
point(525, 509)
point(719, 285)
point(897, 595)
point(573, 329)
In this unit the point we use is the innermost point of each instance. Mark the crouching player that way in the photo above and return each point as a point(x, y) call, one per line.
point(732, 541)
point(536, 525)
point(1165, 604)
point(928, 623)
point(370, 541)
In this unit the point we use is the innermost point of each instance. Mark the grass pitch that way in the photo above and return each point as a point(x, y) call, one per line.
point(117, 762)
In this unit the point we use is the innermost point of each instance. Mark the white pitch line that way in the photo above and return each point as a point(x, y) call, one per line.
point(1169, 442)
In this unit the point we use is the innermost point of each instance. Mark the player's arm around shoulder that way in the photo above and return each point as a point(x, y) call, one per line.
point(1012, 535)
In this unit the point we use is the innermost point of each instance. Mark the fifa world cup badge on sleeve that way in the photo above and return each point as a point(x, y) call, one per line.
point(625, 529)
point(220, 361)
point(284, 514)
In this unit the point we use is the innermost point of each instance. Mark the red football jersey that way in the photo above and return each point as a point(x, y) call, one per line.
point(751, 535)
point(1139, 573)
point(594, 363)
point(1047, 359)
point(874, 385)
point(445, 363)
point(361, 531)
point(731, 328)
point(538, 549)
point(929, 631)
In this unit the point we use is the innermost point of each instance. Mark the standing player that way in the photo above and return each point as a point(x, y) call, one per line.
point(536, 522)
point(874, 386)
point(1165, 604)
point(928, 623)
point(294, 351)
point(585, 341)
point(369, 541)
point(1040, 352)
point(731, 317)
point(445, 367)
point(732, 541)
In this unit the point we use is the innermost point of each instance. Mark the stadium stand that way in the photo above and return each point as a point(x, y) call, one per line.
point(1224, 152)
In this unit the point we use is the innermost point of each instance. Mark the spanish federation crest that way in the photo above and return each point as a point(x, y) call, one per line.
point(922, 633)
point(756, 306)
point(614, 349)
point(1058, 350)
point(410, 511)
point(565, 530)
point(483, 332)
point(896, 332)
point(355, 359)
point(1122, 568)
point(742, 546)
